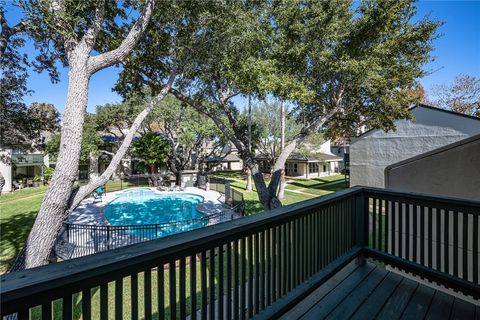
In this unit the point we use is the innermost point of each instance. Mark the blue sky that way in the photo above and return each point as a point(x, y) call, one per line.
point(456, 51)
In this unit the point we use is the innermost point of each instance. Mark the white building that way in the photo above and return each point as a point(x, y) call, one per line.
point(431, 128)
point(319, 162)
point(21, 169)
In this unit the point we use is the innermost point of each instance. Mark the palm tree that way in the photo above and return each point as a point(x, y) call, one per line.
point(153, 149)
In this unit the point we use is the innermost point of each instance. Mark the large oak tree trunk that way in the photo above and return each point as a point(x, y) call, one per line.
point(55, 203)
point(82, 66)
point(249, 180)
point(281, 187)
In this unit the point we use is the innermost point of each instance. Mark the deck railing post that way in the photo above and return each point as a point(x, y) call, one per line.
point(361, 222)
point(108, 237)
point(68, 231)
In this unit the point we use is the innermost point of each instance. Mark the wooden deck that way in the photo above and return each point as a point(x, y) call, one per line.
point(372, 292)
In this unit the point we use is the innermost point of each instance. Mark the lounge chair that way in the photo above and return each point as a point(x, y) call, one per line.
point(98, 193)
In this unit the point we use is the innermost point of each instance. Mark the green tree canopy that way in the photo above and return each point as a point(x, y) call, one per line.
point(92, 142)
point(152, 149)
point(342, 64)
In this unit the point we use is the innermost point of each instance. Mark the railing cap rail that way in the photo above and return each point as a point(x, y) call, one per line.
point(73, 274)
point(441, 200)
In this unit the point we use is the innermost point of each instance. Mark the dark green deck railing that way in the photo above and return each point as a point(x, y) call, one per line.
point(258, 265)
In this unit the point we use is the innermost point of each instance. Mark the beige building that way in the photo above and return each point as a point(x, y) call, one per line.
point(430, 128)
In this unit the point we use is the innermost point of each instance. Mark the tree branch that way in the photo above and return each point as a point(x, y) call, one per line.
point(292, 145)
point(84, 191)
point(7, 32)
point(204, 110)
point(91, 35)
point(123, 50)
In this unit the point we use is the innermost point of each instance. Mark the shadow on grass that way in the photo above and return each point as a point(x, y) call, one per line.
point(320, 185)
point(15, 231)
point(252, 207)
point(335, 186)
point(229, 174)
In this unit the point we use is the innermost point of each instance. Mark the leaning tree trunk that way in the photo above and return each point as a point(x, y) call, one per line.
point(81, 65)
point(281, 187)
point(86, 190)
point(93, 165)
point(249, 180)
point(55, 203)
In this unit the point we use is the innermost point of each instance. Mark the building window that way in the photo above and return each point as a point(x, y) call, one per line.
point(312, 167)
point(324, 168)
point(291, 167)
point(265, 166)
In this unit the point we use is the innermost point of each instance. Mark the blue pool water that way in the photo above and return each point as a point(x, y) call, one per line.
point(143, 206)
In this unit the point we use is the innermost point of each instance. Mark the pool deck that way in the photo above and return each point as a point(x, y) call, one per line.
point(91, 211)
point(84, 240)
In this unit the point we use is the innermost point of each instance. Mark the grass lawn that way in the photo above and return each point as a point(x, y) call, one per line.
point(19, 209)
point(316, 183)
point(253, 205)
point(17, 214)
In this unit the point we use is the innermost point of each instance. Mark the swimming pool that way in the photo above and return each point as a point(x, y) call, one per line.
point(142, 206)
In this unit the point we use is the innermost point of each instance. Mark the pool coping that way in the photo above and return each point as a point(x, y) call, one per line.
point(92, 211)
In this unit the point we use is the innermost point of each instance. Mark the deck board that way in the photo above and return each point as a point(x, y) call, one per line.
point(329, 302)
point(398, 301)
point(440, 307)
point(345, 309)
point(374, 303)
point(419, 304)
point(462, 310)
point(368, 292)
point(307, 303)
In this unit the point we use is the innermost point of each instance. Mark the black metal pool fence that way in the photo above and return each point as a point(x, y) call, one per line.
point(233, 198)
point(82, 239)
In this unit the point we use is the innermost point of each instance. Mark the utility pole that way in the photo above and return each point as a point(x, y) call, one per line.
point(281, 188)
point(249, 172)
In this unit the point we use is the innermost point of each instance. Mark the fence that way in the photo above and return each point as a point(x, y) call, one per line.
point(440, 234)
point(258, 265)
point(233, 197)
point(80, 239)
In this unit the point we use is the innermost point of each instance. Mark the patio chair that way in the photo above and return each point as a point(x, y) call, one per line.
point(16, 185)
point(182, 187)
point(98, 193)
point(172, 186)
